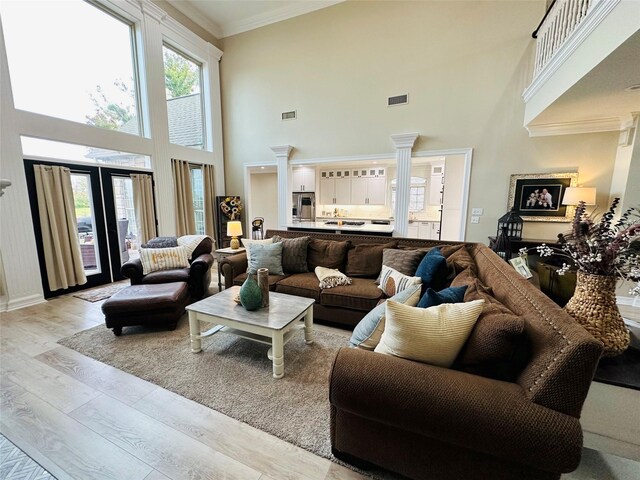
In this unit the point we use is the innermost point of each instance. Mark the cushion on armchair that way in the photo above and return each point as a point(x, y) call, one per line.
point(155, 259)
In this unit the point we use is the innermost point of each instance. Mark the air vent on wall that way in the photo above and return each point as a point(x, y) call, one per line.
point(289, 115)
point(398, 100)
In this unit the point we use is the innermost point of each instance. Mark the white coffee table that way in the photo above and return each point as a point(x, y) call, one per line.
point(274, 325)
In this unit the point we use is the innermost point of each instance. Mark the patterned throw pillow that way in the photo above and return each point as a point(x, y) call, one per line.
point(367, 333)
point(393, 282)
point(266, 255)
point(161, 242)
point(294, 253)
point(155, 259)
point(404, 261)
point(431, 335)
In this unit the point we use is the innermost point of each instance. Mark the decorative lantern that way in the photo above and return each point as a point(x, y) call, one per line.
point(502, 247)
point(513, 223)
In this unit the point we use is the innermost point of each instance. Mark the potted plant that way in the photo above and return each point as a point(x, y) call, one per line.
point(602, 252)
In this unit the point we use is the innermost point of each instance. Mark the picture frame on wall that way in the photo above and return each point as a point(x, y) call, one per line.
point(537, 197)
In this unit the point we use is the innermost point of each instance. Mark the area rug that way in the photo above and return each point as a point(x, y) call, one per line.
point(231, 375)
point(97, 294)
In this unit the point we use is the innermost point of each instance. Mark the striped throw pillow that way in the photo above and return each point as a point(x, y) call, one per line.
point(155, 259)
point(432, 335)
point(393, 282)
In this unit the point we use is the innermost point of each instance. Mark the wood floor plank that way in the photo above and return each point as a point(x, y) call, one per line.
point(173, 453)
point(156, 475)
point(58, 389)
point(238, 440)
point(105, 378)
point(62, 445)
point(338, 472)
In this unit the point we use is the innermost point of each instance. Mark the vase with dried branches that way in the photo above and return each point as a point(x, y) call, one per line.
point(602, 251)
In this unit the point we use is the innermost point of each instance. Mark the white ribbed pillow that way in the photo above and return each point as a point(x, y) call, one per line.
point(432, 335)
point(154, 259)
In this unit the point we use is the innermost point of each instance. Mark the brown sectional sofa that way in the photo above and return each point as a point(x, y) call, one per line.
point(428, 422)
point(342, 305)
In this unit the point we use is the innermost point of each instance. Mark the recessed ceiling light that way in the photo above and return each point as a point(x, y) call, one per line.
point(633, 88)
point(262, 168)
point(375, 163)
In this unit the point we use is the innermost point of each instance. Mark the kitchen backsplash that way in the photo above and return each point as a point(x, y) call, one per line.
point(431, 213)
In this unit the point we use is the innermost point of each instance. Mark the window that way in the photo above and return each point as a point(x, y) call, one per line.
point(416, 194)
point(35, 147)
point(197, 189)
point(183, 80)
point(74, 61)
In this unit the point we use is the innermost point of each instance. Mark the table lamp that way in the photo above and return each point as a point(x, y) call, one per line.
point(573, 195)
point(234, 230)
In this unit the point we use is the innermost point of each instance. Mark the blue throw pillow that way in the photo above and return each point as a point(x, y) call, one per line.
point(266, 255)
point(431, 298)
point(365, 335)
point(433, 270)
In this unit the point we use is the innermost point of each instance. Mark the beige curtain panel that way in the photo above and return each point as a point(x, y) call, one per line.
point(209, 201)
point(143, 205)
point(185, 217)
point(56, 207)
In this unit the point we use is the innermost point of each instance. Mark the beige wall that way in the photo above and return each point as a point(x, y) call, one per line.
point(464, 65)
point(264, 200)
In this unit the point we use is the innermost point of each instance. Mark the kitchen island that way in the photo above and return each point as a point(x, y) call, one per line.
point(323, 227)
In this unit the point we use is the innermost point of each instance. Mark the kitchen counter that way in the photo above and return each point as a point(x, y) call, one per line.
point(366, 229)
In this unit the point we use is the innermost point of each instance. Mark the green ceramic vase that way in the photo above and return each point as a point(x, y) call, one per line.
point(250, 293)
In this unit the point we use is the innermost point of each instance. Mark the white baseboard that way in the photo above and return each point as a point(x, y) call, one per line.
point(26, 301)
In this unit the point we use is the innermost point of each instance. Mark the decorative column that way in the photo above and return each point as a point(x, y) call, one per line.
point(404, 144)
point(284, 192)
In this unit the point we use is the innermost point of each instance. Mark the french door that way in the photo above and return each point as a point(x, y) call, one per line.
point(107, 229)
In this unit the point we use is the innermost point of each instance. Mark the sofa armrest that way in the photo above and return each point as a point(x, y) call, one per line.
point(132, 269)
point(231, 267)
point(458, 408)
point(201, 264)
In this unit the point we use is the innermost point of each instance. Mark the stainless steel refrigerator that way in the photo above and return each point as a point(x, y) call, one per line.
point(303, 207)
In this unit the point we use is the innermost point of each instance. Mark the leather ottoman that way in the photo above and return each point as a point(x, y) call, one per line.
point(148, 304)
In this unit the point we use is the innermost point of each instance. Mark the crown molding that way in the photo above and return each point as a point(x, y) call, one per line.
point(274, 16)
point(197, 17)
point(596, 125)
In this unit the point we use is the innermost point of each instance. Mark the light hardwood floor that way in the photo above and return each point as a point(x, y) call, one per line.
point(81, 419)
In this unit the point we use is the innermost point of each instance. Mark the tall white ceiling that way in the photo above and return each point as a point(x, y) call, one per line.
point(228, 17)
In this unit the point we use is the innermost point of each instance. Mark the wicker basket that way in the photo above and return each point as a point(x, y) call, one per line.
point(594, 306)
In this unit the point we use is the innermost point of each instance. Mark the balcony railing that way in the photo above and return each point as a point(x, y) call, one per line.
point(561, 20)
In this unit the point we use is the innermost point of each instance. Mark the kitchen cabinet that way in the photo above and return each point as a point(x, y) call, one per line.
point(335, 187)
point(436, 188)
point(429, 230)
point(303, 179)
point(369, 186)
point(412, 230)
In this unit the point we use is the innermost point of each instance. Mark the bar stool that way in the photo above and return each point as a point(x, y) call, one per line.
point(257, 228)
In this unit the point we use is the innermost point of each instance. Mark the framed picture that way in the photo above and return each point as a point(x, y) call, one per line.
point(537, 197)
point(521, 267)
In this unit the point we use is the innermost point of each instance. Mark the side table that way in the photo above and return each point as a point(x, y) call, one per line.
point(223, 253)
